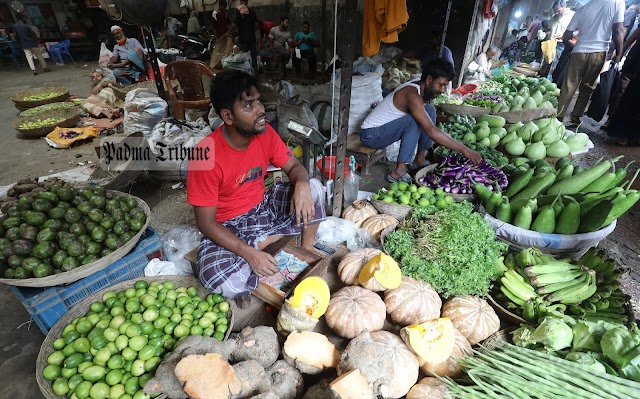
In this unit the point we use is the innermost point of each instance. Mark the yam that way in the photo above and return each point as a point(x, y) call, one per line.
point(362, 353)
point(208, 376)
point(352, 385)
point(266, 395)
point(310, 352)
point(253, 377)
point(286, 380)
point(321, 391)
point(259, 343)
point(429, 388)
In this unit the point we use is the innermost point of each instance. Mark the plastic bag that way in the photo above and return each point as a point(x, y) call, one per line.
point(157, 267)
point(105, 55)
point(143, 109)
point(336, 231)
point(296, 109)
point(239, 61)
point(178, 242)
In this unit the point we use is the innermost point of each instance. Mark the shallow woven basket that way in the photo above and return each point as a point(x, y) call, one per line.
point(121, 90)
point(385, 233)
point(504, 313)
point(44, 109)
point(499, 338)
point(22, 105)
point(173, 211)
point(526, 115)
point(398, 211)
point(454, 109)
point(90, 268)
point(456, 197)
point(83, 307)
point(71, 115)
point(527, 71)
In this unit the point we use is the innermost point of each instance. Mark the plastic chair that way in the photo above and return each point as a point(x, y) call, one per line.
point(194, 93)
point(59, 50)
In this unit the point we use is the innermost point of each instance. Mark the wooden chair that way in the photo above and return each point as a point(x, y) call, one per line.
point(195, 87)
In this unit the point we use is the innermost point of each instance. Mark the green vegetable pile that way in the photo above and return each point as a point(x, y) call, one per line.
point(480, 102)
point(490, 88)
point(40, 123)
point(466, 129)
point(48, 107)
point(43, 96)
point(410, 194)
point(63, 228)
point(526, 93)
point(113, 350)
point(453, 249)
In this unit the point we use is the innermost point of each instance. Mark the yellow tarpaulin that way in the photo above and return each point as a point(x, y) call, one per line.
point(64, 137)
point(549, 50)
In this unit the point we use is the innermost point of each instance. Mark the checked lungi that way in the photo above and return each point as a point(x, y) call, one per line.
point(226, 273)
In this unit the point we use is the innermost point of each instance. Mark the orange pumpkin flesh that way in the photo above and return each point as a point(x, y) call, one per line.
point(433, 340)
point(383, 270)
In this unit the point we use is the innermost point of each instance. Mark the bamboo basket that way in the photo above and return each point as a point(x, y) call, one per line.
point(121, 90)
point(22, 105)
point(71, 115)
point(454, 109)
point(526, 71)
point(504, 313)
point(456, 197)
point(90, 268)
point(42, 109)
point(526, 115)
point(499, 338)
point(83, 307)
point(398, 211)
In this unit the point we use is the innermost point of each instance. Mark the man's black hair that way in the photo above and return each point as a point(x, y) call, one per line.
point(223, 3)
point(306, 23)
point(524, 40)
point(283, 19)
point(20, 17)
point(228, 87)
point(438, 68)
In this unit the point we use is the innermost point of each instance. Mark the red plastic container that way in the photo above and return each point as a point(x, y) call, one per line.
point(467, 88)
point(330, 166)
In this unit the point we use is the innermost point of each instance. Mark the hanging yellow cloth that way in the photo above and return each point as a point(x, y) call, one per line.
point(383, 20)
point(549, 50)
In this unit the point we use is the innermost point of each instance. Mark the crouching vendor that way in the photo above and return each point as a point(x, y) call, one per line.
point(237, 218)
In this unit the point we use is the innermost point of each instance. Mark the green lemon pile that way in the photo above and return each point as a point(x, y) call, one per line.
point(409, 194)
point(40, 123)
point(43, 96)
point(113, 350)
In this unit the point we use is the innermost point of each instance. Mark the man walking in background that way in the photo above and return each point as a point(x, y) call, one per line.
point(245, 23)
point(598, 22)
point(26, 38)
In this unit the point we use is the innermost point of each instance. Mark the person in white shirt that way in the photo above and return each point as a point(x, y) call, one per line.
point(485, 63)
point(598, 22)
point(562, 15)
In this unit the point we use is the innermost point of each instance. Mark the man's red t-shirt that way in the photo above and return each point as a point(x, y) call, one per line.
point(234, 182)
point(266, 27)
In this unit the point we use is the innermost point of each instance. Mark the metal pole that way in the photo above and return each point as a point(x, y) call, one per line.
point(346, 73)
point(446, 26)
point(153, 58)
point(323, 42)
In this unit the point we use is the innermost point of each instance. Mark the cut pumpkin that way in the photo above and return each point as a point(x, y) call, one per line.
point(312, 296)
point(380, 273)
point(433, 340)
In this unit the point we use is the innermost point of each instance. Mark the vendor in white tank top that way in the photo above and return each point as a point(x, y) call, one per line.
point(405, 115)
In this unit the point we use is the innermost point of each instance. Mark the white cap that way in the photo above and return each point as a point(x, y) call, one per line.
point(115, 27)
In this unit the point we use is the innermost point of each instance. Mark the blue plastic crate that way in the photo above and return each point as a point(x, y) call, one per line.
point(47, 305)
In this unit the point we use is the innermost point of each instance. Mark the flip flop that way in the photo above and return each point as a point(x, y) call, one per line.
point(412, 169)
point(404, 178)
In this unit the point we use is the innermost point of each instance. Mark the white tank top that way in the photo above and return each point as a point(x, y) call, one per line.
point(386, 111)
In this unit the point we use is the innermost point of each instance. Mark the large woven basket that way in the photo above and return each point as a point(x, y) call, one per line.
point(457, 197)
point(398, 211)
point(71, 118)
point(121, 90)
point(527, 71)
point(499, 338)
point(504, 313)
point(22, 104)
point(44, 109)
point(526, 115)
point(454, 109)
point(83, 307)
point(90, 268)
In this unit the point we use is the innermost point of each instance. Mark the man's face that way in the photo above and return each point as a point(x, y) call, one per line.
point(558, 10)
point(117, 34)
point(248, 114)
point(306, 28)
point(433, 88)
point(96, 78)
point(284, 24)
point(492, 53)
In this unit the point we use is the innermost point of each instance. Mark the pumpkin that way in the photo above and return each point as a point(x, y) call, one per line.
point(432, 340)
point(291, 318)
point(380, 273)
point(376, 223)
point(350, 266)
point(353, 310)
point(450, 367)
point(359, 212)
point(412, 302)
point(405, 363)
point(472, 316)
point(429, 388)
point(312, 296)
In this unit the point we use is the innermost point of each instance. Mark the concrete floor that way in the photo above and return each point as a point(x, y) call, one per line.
point(20, 158)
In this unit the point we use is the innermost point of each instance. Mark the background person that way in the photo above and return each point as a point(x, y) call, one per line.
point(306, 42)
point(245, 25)
point(486, 63)
point(193, 25)
point(28, 41)
point(221, 21)
point(128, 57)
point(278, 37)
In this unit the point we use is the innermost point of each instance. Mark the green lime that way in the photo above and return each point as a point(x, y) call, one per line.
point(141, 284)
point(129, 354)
point(82, 390)
point(130, 293)
point(133, 330)
point(117, 391)
point(60, 387)
point(166, 311)
point(150, 314)
point(131, 385)
point(196, 330)
point(99, 390)
point(81, 345)
point(218, 335)
point(224, 307)
point(58, 344)
point(51, 372)
point(222, 328)
point(186, 322)
point(137, 318)
point(97, 307)
point(132, 305)
point(203, 306)
point(99, 342)
point(137, 368)
point(147, 300)
point(160, 322)
point(147, 352)
point(74, 381)
point(208, 332)
point(84, 365)
point(181, 330)
point(204, 322)
point(94, 373)
point(192, 291)
point(182, 301)
point(168, 329)
point(93, 318)
point(107, 295)
point(113, 377)
point(73, 361)
point(122, 342)
point(137, 342)
point(68, 350)
point(71, 336)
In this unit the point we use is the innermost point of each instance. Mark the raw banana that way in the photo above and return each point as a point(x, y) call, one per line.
point(551, 278)
point(518, 289)
point(575, 294)
point(554, 267)
point(512, 297)
point(551, 288)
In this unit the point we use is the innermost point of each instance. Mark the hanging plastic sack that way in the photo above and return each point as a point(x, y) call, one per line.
point(105, 55)
point(239, 61)
point(143, 109)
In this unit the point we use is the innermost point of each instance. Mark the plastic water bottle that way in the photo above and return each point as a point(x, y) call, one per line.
point(351, 183)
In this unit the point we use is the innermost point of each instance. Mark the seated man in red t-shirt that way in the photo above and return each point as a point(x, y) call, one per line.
point(226, 188)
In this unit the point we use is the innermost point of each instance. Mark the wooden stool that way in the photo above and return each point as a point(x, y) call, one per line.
point(365, 156)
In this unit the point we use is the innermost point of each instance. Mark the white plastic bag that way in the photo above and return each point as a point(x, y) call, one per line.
point(336, 231)
point(143, 109)
point(177, 242)
point(157, 267)
point(105, 55)
point(240, 61)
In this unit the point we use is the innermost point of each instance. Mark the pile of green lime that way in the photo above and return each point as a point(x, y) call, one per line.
point(113, 350)
point(42, 96)
point(409, 194)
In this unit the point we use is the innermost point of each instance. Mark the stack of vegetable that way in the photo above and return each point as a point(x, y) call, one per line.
point(527, 93)
point(601, 346)
point(40, 123)
point(488, 130)
point(542, 138)
point(535, 285)
point(458, 126)
point(410, 194)
point(580, 202)
point(457, 175)
point(491, 88)
point(484, 101)
point(492, 156)
point(513, 372)
point(453, 249)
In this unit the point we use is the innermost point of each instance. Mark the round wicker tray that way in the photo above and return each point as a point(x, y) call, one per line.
point(90, 268)
point(71, 117)
point(398, 211)
point(454, 109)
point(457, 197)
point(121, 91)
point(22, 105)
point(527, 115)
point(83, 306)
point(504, 313)
point(527, 71)
point(498, 338)
point(43, 109)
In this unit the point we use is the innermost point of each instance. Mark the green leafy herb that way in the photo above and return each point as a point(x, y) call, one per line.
point(454, 250)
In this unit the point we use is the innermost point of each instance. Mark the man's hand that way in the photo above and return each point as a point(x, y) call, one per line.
point(262, 263)
point(474, 156)
point(616, 58)
point(302, 203)
point(96, 89)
